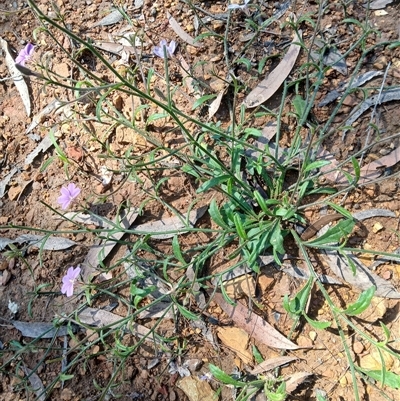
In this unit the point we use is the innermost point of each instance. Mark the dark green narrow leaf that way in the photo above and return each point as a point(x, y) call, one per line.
point(202, 100)
point(362, 303)
point(220, 375)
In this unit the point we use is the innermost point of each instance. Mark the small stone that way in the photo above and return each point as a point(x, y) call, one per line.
point(189, 28)
point(387, 274)
point(62, 69)
point(5, 277)
point(194, 364)
point(118, 102)
point(66, 394)
point(370, 191)
point(358, 347)
point(312, 335)
point(343, 381)
point(265, 282)
point(217, 24)
point(351, 100)
point(380, 63)
point(377, 227)
point(13, 192)
point(75, 153)
point(192, 50)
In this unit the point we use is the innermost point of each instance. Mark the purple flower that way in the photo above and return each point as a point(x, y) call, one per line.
point(170, 48)
point(69, 281)
point(242, 7)
point(68, 195)
point(25, 54)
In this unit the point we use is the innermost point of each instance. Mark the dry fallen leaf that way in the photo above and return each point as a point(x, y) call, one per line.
point(174, 223)
point(18, 79)
point(368, 172)
point(180, 32)
point(40, 241)
point(239, 286)
point(237, 340)
point(253, 324)
point(101, 318)
point(196, 389)
point(268, 86)
point(39, 329)
point(377, 4)
point(364, 278)
point(110, 19)
point(98, 252)
point(36, 383)
point(272, 363)
point(295, 380)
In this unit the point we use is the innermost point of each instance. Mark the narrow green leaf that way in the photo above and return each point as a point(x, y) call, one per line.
point(213, 183)
point(362, 303)
point(186, 313)
point(261, 202)
point(244, 61)
point(391, 379)
point(315, 324)
point(276, 239)
point(334, 234)
point(216, 215)
point(226, 296)
point(257, 355)
point(177, 250)
point(63, 377)
point(220, 375)
point(386, 332)
point(239, 227)
point(299, 105)
point(340, 209)
point(357, 169)
point(202, 100)
point(316, 165)
point(156, 116)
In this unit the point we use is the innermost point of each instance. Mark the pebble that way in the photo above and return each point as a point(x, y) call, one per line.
point(66, 394)
point(377, 227)
point(380, 63)
point(358, 347)
point(312, 335)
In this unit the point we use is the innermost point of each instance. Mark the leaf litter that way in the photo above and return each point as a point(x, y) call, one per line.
point(254, 325)
point(349, 268)
point(17, 77)
point(268, 86)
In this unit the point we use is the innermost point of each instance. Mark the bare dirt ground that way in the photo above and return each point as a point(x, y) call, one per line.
point(31, 197)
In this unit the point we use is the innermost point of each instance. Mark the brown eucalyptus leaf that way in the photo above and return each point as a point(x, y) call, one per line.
point(98, 252)
point(363, 279)
point(39, 329)
point(110, 19)
point(295, 380)
point(180, 32)
point(272, 363)
point(114, 48)
point(18, 78)
point(214, 106)
point(268, 86)
point(253, 324)
point(383, 97)
point(36, 383)
point(377, 4)
point(174, 223)
point(369, 172)
point(40, 241)
point(86, 218)
point(44, 144)
point(100, 318)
